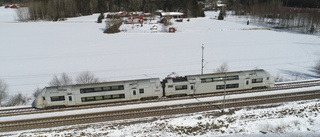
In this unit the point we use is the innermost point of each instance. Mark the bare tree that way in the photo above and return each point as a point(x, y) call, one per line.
point(113, 25)
point(222, 68)
point(3, 90)
point(36, 92)
point(16, 100)
point(65, 79)
point(62, 81)
point(23, 14)
point(86, 77)
point(55, 81)
point(317, 67)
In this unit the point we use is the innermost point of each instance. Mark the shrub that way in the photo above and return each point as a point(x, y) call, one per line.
point(100, 18)
point(36, 92)
point(221, 16)
point(62, 81)
point(222, 68)
point(317, 68)
point(113, 26)
point(86, 77)
point(3, 90)
point(16, 100)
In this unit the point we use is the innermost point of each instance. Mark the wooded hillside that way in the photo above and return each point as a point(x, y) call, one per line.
point(59, 9)
point(293, 15)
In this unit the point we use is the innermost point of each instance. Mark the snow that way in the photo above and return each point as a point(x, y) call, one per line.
point(14, 107)
point(299, 118)
point(32, 52)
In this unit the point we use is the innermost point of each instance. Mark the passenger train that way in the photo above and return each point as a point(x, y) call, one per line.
point(151, 88)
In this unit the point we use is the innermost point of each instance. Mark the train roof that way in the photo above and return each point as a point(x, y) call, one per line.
point(231, 73)
point(102, 83)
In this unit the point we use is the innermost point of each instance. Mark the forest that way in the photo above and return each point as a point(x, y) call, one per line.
point(60, 9)
point(295, 15)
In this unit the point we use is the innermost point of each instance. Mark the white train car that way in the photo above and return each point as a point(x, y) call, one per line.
point(117, 91)
point(215, 82)
point(84, 94)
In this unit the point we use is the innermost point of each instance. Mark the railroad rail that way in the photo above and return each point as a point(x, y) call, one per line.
point(153, 111)
point(277, 86)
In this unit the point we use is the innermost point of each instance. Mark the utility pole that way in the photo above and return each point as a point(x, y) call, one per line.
point(202, 60)
point(224, 95)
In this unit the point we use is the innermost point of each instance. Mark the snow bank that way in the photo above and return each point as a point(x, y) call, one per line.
point(283, 119)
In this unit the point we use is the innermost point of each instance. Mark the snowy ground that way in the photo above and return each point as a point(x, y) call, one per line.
point(291, 119)
point(32, 52)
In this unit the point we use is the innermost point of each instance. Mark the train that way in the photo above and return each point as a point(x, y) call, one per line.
point(150, 88)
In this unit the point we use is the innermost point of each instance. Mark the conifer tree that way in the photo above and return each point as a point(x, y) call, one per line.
point(221, 17)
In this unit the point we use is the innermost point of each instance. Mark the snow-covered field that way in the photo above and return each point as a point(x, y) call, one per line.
point(32, 52)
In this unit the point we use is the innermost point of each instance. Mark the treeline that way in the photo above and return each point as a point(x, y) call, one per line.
point(279, 14)
point(14, 1)
point(60, 9)
point(285, 3)
point(301, 3)
point(8, 2)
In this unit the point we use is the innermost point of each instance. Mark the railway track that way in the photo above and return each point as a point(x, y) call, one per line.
point(153, 111)
point(280, 86)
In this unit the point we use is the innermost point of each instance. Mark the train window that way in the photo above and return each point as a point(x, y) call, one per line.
point(105, 88)
point(206, 80)
point(181, 87)
point(116, 96)
point(179, 79)
point(247, 82)
point(203, 80)
point(170, 86)
point(228, 86)
point(122, 96)
point(258, 80)
point(44, 98)
point(107, 97)
point(232, 77)
point(86, 90)
point(112, 88)
point(217, 79)
point(209, 80)
point(90, 99)
point(70, 98)
point(101, 89)
point(134, 92)
point(97, 89)
point(191, 87)
point(57, 98)
point(99, 98)
point(233, 86)
point(141, 91)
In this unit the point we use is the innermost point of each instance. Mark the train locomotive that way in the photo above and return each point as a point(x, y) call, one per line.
point(151, 88)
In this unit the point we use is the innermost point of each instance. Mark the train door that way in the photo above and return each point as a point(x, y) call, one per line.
point(71, 100)
point(192, 89)
point(247, 84)
point(134, 94)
